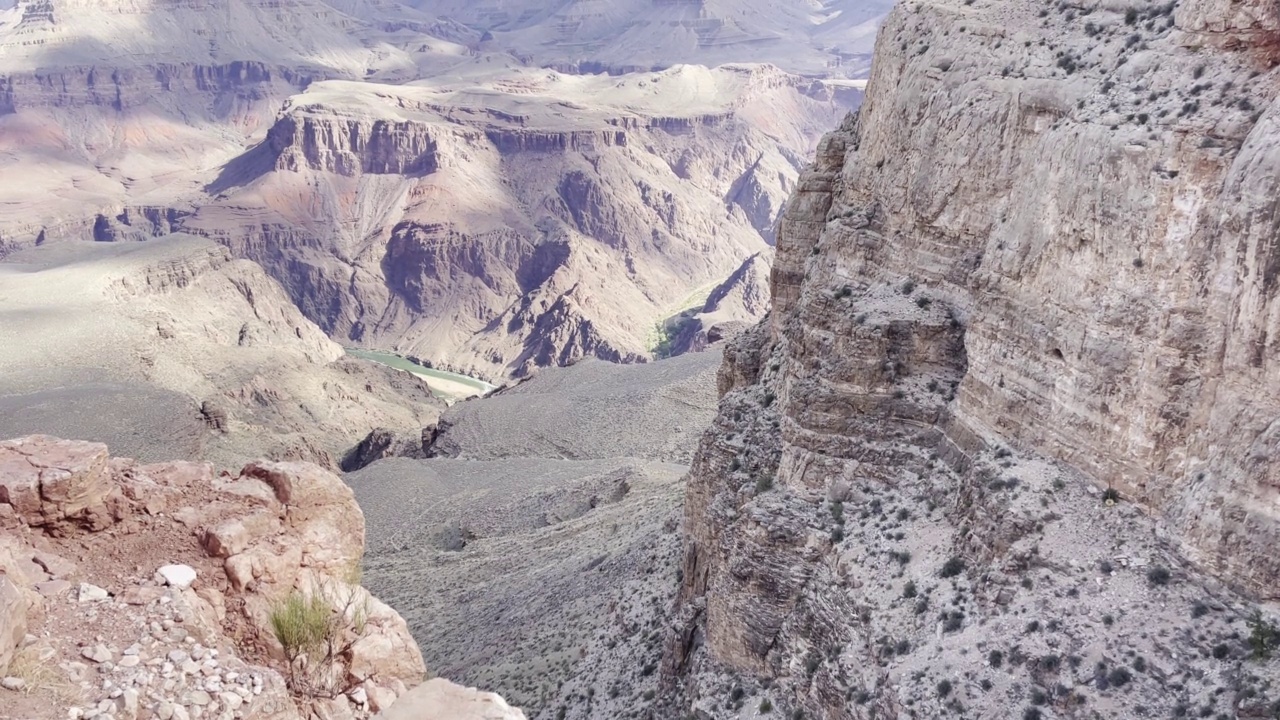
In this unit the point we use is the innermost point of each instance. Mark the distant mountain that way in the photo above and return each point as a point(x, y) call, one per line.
point(813, 37)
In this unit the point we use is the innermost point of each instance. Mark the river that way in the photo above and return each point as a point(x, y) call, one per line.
point(447, 385)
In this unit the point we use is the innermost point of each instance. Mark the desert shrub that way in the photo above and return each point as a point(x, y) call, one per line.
point(316, 629)
point(944, 688)
point(995, 658)
point(1119, 677)
point(1263, 636)
point(766, 706)
point(301, 623)
point(952, 567)
point(909, 590)
point(764, 483)
point(1159, 575)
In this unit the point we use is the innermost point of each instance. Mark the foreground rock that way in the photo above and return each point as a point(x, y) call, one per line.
point(180, 571)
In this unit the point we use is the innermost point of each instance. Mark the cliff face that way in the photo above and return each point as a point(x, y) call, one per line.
point(1048, 235)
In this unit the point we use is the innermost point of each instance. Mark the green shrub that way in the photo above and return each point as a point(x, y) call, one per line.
point(1263, 636)
point(301, 624)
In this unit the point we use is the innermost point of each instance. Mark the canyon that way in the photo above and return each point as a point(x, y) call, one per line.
point(975, 416)
point(414, 185)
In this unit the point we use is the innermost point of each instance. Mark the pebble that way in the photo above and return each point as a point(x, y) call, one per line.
point(190, 667)
point(98, 653)
point(178, 657)
point(163, 710)
point(129, 661)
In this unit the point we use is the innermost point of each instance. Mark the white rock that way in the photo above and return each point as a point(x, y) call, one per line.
point(13, 683)
point(163, 710)
point(180, 713)
point(231, 701)
point(98, 653)
point(179, 576)
point(129, 661)
point(91, 593)
point(177, 657)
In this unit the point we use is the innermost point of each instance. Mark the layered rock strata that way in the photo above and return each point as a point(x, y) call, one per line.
point(1036, 265)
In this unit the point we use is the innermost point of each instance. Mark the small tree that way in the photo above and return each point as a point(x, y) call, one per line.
point(1263, 636)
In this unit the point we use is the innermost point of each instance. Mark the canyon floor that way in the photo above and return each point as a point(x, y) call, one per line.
point(539, 552)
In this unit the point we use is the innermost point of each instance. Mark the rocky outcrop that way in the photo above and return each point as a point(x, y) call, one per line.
point(200, 635)
point(352, 146)
point(1035, 259)
point(442, 700)
point(729, 308)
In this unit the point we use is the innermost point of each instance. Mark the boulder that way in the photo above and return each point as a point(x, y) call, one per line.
point(49, 481)
point(178, 576)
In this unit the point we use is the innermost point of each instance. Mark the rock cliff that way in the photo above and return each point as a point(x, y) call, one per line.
point(1019, 373)
point(153, 591)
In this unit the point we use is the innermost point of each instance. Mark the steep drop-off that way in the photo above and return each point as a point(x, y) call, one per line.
point(1020, 367)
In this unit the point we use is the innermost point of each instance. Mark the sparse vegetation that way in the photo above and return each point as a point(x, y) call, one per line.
point(952, 568)
point(1158, 575)
point(316, 629)
point(1263, 636)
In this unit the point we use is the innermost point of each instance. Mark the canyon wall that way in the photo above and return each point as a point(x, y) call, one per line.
point(498, 224)
point(1047, 239)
